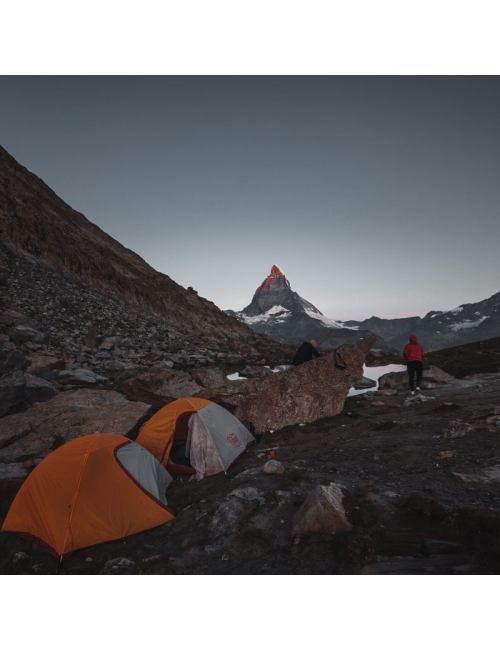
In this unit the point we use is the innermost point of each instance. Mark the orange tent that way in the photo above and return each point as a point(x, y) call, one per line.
point(91, 490)
point(214, 438)
point(157, 435)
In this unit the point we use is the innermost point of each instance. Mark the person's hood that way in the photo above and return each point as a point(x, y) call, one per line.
point(413, 338)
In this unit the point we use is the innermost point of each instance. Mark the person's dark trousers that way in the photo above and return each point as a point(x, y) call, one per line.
point(415, 367)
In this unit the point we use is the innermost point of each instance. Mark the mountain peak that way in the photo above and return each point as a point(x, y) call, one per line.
point(275, 271)
point(271, 281)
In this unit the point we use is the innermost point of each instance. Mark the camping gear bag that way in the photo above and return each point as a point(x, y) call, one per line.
point(340, 364)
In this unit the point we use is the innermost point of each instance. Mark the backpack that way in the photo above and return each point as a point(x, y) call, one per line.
point(340, 364)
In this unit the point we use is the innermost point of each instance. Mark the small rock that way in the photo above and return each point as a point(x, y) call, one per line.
point(79, 376)
point(322, 512)
point(235, 506)
point(457, 429)
point(19, 557)
point(225, 557)
point(119, 565)
point(364, 382)
point(378, 403)
point(152, 558)
point(273, 467)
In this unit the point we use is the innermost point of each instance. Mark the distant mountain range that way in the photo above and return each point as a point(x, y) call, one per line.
point(279, 312)
point(466, 323)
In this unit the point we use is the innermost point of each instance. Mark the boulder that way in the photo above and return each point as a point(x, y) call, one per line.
point(38, 390)
point(41, 363)
point(273, 467)
point(457, 429)
point(209, 377)
point(313, 390)
point(437, 376)
point(365, 382)
point(322, 512)
point(23, 333)
point(12, 381)
point(10, 317)
point(235, 506)
point(395, 380)
point(79, 377)
point(47, 425)
point(160, 386)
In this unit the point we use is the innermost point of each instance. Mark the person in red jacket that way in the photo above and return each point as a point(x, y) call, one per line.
point(413, 354)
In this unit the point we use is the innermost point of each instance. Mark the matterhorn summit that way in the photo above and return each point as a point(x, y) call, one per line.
point(279, 312)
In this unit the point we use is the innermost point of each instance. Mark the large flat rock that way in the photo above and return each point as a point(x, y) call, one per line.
point(159, 386)
point(316, 389)
point(47, 425)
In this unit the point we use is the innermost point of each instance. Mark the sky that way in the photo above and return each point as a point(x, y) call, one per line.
point(377, 196)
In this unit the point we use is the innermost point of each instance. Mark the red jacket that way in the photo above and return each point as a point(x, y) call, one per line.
point(413, 352)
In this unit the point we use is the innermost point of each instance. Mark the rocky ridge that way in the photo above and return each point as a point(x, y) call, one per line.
point(467, 323)
point(62, 270)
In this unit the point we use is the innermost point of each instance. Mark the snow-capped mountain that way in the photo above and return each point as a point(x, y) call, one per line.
point(441, 329)
point(279, 312)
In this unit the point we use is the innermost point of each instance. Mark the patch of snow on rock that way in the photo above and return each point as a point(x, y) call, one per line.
point(326, 321)
point(468, 324)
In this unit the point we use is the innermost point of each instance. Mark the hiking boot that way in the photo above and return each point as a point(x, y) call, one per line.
point(413, 392)
point(418, 388)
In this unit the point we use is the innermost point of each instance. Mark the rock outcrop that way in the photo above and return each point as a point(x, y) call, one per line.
point(313, 390)
point(30, 436)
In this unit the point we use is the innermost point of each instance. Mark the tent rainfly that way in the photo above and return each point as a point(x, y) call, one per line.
point(214, 439)
point(91, 490)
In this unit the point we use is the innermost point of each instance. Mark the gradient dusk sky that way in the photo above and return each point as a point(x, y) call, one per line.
point(375, 195)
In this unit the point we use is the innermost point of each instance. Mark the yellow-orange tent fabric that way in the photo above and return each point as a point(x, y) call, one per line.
point(157, 435)
point(80, 495)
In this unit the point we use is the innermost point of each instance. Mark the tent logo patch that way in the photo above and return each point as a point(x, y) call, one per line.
point(234, 440)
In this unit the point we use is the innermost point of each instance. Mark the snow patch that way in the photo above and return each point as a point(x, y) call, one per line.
point(467, 325)
point(262, 318)
point(326, 321)
point(235, 376)
point(455, 311)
